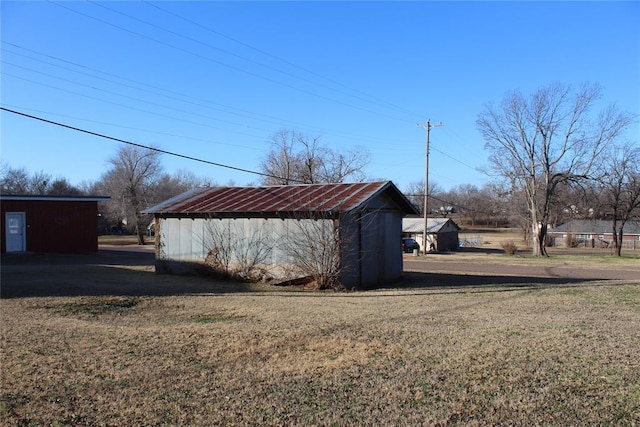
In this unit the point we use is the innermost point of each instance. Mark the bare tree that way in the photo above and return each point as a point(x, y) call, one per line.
point(545, 140)
point(282, 163)
point(415, 193)
point(472, 202)
point(168, 186)
point(498, 202)
point(130, 182)
point(350, 164)
point(20, 181)
point(39, 182)
point(297, 158)
point(312, 156)
point(15, 180)
point(574, 200)
point(620, 189)
point(313, 248)
point(308, 249)
point(235, 251)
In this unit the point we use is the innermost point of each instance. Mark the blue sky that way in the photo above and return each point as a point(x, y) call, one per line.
point(215, 80)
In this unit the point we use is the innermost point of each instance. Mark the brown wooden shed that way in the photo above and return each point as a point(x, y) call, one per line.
point(49, 223)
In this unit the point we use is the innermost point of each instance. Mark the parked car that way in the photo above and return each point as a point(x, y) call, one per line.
point(408, 245)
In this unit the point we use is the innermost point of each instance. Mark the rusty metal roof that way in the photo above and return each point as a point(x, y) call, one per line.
point(281, 198)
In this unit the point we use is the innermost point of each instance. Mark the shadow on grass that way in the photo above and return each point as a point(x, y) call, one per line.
point(421, 280)
point(109, 272)
point(480, 250)
point(465, 249)
point(98, 280)
point(103, 257)
point(104, 280)
point(131, 273)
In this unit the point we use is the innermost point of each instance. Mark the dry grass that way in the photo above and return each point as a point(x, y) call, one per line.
point(104, 344)
point(123, 239)
point(525, 355)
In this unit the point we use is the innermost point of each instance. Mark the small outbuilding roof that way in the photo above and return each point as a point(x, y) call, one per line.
point(595, 226)
point(31, 198)
point(434, 225)
point(321, 198)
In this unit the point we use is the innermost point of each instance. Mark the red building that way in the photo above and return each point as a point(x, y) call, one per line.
point(49, 223)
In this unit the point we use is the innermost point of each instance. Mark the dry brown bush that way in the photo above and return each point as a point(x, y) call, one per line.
point(510, 248)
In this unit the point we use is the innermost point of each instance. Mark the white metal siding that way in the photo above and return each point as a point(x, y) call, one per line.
point(190, 240)
point(371, 252)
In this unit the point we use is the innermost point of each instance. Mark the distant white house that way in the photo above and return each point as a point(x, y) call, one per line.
point(442, 233)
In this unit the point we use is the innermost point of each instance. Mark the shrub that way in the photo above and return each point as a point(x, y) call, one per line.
point(510, 248)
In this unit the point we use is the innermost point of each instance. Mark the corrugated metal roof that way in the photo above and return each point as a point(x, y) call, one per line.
point(416, 225)
point(281, 198)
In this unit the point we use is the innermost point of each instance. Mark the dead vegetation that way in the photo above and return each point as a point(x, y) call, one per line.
point(220, 354)
point(510, 248)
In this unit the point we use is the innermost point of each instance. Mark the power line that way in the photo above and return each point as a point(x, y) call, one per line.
point(201, 103)
point(195, 159)
point(155, 113)
point(204, 102)
point(233, 54)
point(155, 104)
point(477, 169)
point(187, 98)
point(168, 116)
point(123, 105)
point(207, 58)
point(213, 60)
point(450, 203)
point(132, 128)
point(285, 61)
point(170, 153)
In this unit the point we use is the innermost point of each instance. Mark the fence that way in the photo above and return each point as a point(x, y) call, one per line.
point(576, 242)
point(470, 241)
point(631, 244)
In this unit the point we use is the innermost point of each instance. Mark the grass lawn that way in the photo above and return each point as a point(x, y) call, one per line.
point(476, 355)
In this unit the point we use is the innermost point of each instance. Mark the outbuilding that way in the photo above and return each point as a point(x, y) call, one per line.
point(49, 223)
point(352, 229)
point(442, 233)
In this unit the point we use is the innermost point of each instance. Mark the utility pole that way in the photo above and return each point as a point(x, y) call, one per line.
point(425, 207)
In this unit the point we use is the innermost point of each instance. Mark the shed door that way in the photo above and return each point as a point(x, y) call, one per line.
point(15, 231)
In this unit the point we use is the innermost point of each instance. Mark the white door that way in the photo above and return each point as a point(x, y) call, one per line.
point(15, 231)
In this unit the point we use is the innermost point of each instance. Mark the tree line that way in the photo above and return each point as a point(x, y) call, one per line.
point(556, 159)
point(135, 178)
